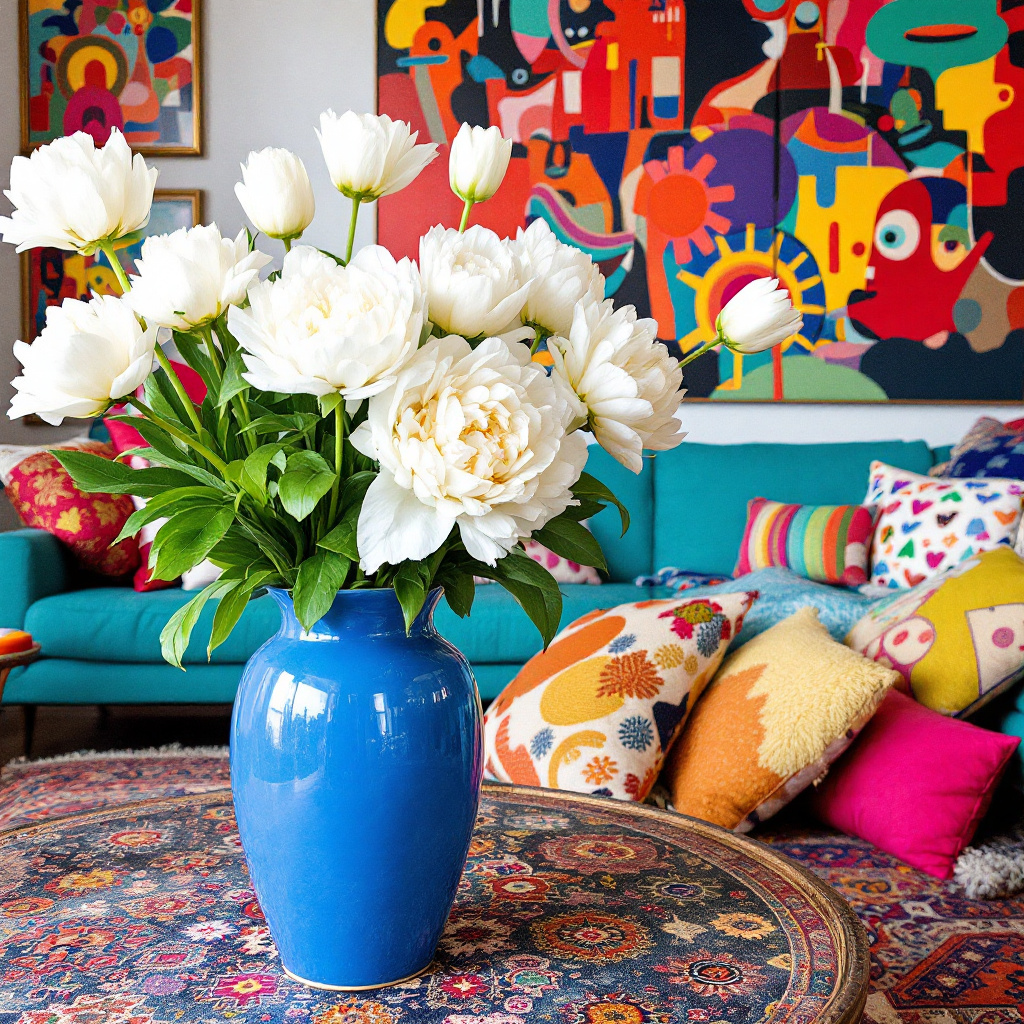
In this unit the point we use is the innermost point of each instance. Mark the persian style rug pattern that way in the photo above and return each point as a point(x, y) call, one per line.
point(571, 910)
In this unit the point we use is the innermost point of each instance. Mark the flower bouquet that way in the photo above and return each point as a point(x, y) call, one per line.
point(367, 422)
point(373, 431)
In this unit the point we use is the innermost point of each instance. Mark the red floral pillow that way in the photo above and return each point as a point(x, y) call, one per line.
point(44, 496)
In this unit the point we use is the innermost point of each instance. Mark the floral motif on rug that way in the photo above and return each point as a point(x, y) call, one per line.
point(568, 913)
point(936, 956)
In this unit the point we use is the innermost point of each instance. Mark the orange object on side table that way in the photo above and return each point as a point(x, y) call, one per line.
point(14, 641)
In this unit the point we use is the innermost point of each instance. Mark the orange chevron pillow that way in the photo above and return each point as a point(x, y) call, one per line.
point(599, 709)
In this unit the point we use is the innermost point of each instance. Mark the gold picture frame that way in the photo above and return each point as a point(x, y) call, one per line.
point(108, 55)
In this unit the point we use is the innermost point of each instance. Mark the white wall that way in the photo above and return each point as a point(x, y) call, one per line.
point(270, 68)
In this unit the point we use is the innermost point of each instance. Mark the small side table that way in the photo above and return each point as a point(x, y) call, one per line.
point(9, 661)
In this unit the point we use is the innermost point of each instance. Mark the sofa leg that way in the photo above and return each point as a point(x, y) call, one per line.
point(29, 711)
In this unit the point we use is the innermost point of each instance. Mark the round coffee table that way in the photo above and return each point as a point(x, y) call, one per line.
point(12, 661)
point(571, 910)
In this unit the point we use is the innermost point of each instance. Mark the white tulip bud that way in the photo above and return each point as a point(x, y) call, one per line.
point(71, 195)
point(478, 162)
point(369, 156)
point(758, 317)
point(276, 194)
point(88, 355)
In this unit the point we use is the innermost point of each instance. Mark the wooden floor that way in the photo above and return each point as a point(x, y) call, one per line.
point(63, 729)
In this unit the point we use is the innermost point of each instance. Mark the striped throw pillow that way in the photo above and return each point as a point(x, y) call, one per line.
point(827, 543)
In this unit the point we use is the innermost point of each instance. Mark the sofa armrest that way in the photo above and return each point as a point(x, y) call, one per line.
point(33, 567)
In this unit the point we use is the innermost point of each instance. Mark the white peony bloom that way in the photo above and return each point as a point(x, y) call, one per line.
point(189, 277)
point(276, 194)
point(560, 275)
point(758, 317)
point(468, 437)
point(475, 282)
point(70, 195)
point(322, 328)
point(625, 378)
point(369, 155)
point(88, 355)
point(478, 162)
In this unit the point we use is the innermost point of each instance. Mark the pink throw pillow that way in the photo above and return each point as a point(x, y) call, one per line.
point(143, 580)
point(915, 783)
point(563, 569)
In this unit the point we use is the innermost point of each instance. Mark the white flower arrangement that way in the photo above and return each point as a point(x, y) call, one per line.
point(368, 422)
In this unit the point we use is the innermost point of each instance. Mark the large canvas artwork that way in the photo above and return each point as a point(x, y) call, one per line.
point(94, 65)
point(49, 276)
point(870, 154)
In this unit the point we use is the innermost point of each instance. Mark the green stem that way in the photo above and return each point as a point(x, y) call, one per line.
point(465, 215)
point(356, 203)
point(197, 446)
point(287, 245)
point(211, 347)
point(107, 248)
point(716, 341)
point(179, 388)
point(339, 450)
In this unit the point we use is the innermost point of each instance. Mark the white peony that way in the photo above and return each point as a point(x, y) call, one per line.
point(475, 282)
point(88, 355)
point(468, 437)
point(188, 278)
point(322, 327)
point(560, 275)
point(477, 162)
point(70, 195)
point(758, 317)
point(625, 378)
point(276, 194)
point(369, 156)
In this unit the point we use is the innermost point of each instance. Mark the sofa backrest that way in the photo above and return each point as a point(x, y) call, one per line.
point(701, 491)
point(627, 556)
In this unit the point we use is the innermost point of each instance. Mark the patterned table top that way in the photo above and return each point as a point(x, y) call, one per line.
point(572, 910)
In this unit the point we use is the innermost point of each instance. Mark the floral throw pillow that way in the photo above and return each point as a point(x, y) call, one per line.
point(44, 496)
point(564, 570)
point(599, 709)
point(927, 525)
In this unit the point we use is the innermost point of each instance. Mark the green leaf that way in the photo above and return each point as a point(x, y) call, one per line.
point(166, 504)
point(299, 423)
point(571, 540)
point(320, 578)
point(174, 637)
point(251, 473)
point(95, 474)
point(306, 479)
point(533, 587)
point(342, 539)
point(233, 603)
point(412, 584)
point(232, 383)
point(459, 590)
point(592, 488)
point(234, 549)
point(186, 539)
point(163, 399)
point(328, 403)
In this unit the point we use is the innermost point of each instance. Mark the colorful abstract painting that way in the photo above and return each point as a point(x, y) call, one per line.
point(49, 276)
point(94, 65)
point(870, 154)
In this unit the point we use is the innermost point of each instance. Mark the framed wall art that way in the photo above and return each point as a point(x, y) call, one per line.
point(49, 276)
point(869, 153)
point(94, 65)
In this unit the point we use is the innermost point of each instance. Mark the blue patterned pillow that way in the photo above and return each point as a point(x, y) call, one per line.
point(989, 449)
point(783, 593)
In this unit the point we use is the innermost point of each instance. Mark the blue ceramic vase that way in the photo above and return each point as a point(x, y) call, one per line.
point(356, 760)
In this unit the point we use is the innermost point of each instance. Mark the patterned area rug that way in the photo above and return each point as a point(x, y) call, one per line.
point(937, 957)
point(125, 900)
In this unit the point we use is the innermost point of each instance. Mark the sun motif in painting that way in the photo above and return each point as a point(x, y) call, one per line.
point(593, 937)
point(589, 854)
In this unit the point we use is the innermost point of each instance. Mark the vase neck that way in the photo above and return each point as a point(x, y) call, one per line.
point(357, 612)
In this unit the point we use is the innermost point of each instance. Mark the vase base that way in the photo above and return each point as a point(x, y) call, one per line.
point(354, 988)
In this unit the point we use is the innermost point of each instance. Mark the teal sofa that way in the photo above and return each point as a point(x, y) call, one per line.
point(101, 644)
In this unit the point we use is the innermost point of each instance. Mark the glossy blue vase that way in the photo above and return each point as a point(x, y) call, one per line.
point(356, 760)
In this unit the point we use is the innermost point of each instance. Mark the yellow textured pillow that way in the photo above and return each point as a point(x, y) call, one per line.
point(779, 712)
point(957, 639)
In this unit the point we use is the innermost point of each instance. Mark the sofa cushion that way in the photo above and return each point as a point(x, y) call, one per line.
point(701, 490)
point(627, 556)
point(117, 624)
